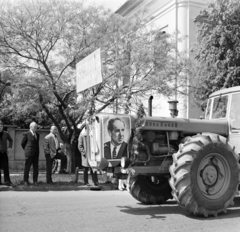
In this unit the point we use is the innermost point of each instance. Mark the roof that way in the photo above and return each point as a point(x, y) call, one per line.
point(128, 6)
point(225, 91)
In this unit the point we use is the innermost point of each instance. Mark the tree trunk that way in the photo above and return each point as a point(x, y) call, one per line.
point(73, 157)
point(68, 152)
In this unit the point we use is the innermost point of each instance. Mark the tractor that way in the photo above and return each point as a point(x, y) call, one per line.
point(194, 161)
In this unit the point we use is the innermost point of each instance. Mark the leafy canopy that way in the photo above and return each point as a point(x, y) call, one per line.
point(41, 42)
point(218, 52)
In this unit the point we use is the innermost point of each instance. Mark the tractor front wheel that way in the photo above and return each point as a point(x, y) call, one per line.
point(205, 175)
point(150, 189)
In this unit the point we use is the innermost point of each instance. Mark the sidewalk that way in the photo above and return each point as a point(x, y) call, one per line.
point(62, 182)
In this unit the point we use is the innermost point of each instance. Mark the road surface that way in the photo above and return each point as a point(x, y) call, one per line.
point(102, 211)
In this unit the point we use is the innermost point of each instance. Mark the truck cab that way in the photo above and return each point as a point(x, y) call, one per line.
point(224, 105)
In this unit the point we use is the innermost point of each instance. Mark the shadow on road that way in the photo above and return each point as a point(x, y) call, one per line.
point(171, 207)
point(154, 211)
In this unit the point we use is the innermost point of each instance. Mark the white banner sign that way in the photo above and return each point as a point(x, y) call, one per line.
point(89, 71)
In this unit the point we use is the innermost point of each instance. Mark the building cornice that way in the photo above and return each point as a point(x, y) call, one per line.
point(128, 7)
point(131, 5)
point(174, 4)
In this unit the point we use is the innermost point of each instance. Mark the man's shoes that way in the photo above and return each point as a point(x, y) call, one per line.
point(26, 183)
point(108, 182)
point(63, 172)
point(96, 184)
point(13, 185)
point(9, 183)
point(50, 182)
point(87, 184)
point(35, 183)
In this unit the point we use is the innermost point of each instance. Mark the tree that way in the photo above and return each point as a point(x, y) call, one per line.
point(5, 91)
point(4, 88)
point(137, 143)
point(41, 42)
point(218, 51)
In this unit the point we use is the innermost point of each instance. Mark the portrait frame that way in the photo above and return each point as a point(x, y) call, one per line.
point(106, 137)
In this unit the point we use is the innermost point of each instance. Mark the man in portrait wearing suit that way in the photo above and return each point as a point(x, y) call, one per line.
point(30, 144)
point(53, 150)
point(116, 148)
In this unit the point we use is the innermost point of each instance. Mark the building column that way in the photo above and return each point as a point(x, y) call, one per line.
point(182, 25)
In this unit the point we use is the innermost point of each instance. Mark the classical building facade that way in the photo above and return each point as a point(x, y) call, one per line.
point(170, 16)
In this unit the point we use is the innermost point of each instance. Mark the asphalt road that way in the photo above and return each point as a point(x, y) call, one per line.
point(102, 211)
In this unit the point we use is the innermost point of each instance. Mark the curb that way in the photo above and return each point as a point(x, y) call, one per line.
point(58, 187)
point(62, 182)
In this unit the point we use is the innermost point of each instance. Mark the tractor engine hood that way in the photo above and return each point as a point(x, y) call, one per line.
point(187, 126)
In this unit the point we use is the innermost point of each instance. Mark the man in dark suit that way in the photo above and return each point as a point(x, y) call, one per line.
point(116, 148)
point(30, 144)
point(4, 149)
point(53, 150)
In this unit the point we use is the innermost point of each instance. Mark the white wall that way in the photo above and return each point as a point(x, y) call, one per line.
point(173, 15)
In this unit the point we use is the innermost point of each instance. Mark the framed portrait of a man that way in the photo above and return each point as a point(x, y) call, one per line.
point(116, 135)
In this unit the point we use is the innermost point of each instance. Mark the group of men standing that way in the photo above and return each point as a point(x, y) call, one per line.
point(53, 149)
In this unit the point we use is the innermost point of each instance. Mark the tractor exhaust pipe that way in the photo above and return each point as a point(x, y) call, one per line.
point(150, 106)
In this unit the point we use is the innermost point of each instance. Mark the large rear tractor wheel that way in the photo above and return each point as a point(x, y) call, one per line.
point(150, 189)
point(205, 175)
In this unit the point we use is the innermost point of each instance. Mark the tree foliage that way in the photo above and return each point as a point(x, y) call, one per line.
point(218, 52)
point(4, 86)
point(41, 43)
point(137, 143)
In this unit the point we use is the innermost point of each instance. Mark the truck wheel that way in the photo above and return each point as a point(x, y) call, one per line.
point(204, 175)
point(149, 189)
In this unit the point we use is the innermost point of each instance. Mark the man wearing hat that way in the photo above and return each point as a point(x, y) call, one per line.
point(4, 137)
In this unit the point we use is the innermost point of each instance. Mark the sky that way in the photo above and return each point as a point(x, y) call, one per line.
point(111, 4)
